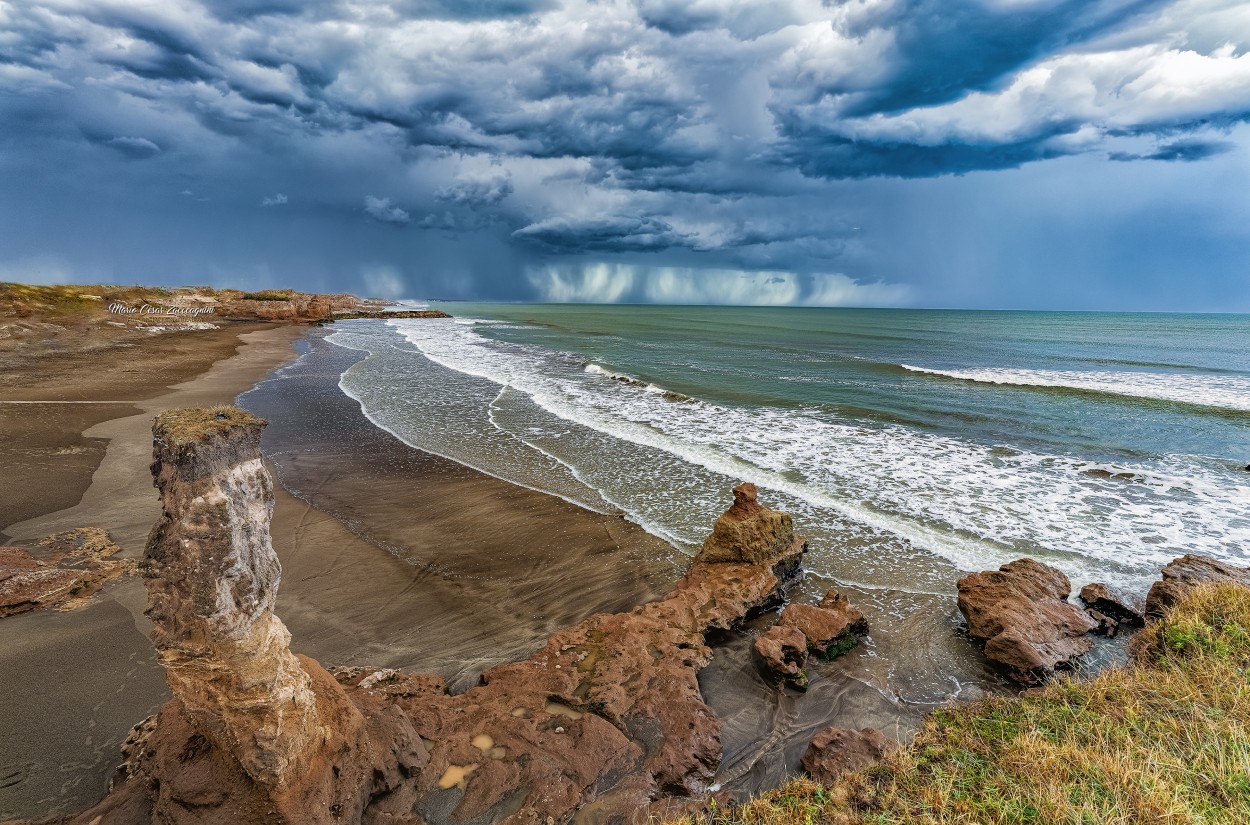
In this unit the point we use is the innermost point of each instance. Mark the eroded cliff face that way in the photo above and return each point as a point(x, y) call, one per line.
point(605, 723)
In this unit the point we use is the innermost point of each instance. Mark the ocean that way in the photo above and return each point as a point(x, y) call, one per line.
point(909, 445)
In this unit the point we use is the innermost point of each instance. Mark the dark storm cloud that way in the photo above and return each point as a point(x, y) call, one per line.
point(712, 133)
point(609, 233)
point(944, 49)
point(1183, 150)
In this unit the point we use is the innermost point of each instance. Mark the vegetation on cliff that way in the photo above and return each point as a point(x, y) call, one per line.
point(1165, 739)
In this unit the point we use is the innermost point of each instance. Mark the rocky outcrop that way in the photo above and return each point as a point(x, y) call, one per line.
point(836, 751)
point(212, 579)
point(782, 655)
point(748, 531)
point(607, 720)
point(1022, 613)
point(1185, 573)
point(831, 628)
point(61, 571)
point(1124, 608)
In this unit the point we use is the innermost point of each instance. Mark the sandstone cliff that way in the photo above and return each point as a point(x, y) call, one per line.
point(606, 722)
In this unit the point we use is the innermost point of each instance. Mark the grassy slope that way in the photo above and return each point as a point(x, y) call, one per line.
point(1165, 740)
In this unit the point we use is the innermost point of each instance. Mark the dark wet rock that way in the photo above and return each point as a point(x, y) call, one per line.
point(831, 628)
point(1184, 574)
point(1125, 608)
point(782, 655)
point(1104, 624)
point(836, 751)
point(1022, 613)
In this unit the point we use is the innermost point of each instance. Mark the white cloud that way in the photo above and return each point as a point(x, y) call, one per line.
point(274, 200)
point(385, 210)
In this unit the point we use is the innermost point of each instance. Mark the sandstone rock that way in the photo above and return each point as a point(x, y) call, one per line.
point(1022, 613)
point(1183, 574)
point(61, 571)
point(606, 721)
point(831, 629)
point(748, 531)
point(836, 751)
point(1125, 608)
point(782, 655)
point(212, 578)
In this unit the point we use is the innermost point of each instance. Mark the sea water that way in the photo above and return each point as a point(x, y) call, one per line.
point(908, 444)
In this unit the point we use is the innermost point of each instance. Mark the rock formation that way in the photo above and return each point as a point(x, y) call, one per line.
point(1124, 608)
point(831, 628)
point(61, 571)
point(1022, 613)
point(782, 655)
point(606, 721)
point(1183, 574)
point(835, 751)
point(828, 630)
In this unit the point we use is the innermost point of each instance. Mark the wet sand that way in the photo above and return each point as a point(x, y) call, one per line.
point(392, 557)
point(502, 566)
point(75, 682)
point(495, 568)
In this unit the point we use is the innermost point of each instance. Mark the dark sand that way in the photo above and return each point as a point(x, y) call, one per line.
point(75, 682)
point(503, 566)
point(392, 557)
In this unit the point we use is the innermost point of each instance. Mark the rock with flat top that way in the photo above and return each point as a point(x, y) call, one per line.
point(1022, 613)
point(831, 628)
point(606, 722)
point(837, 751)
point(1184, 574)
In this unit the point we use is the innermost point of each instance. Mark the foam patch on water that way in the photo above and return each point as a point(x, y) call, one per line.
point(975, 504)
point(1226, 391)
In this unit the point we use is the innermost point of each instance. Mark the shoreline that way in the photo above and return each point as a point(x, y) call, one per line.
point(79, 680)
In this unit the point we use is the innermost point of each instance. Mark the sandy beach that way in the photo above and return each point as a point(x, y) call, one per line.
point(77, 681)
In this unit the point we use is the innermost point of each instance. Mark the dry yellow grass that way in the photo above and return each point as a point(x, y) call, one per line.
point(1165, 740)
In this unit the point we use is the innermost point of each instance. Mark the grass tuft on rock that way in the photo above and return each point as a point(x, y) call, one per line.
point(1165, 739)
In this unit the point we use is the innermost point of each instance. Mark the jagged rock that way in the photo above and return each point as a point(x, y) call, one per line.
point(1022, 613)
point(748, 531)
point(1125, 608)
point(782, 655)
point(831, 629)
point(606, 721)
point(1185, 573)
point(60, 571)
point(1104, 625)
point(836, 751)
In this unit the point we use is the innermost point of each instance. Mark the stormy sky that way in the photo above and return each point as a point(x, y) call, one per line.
point(1065, 154)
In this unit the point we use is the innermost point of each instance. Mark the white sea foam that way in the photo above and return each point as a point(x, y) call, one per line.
point(972, 503)
point(1227, 391)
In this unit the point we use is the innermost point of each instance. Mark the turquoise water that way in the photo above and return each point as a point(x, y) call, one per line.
point(909, 444)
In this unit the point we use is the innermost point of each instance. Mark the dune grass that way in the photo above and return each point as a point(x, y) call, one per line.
point(1165, 739)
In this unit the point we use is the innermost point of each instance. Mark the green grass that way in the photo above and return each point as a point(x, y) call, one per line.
point(1163, 740)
